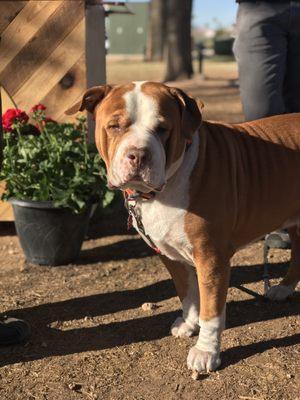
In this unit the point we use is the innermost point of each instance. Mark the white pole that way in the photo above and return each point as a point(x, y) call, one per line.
point(94, 50)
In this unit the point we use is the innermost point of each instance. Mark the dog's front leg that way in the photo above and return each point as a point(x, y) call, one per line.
point(186, 284)
point(213, 278)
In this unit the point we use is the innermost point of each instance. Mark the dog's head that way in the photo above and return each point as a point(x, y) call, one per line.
point(141, 131)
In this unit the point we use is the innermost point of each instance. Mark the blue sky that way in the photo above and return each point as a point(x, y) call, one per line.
point(206, 11)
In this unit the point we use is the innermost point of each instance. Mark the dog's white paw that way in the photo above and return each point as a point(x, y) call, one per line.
point(203, 361)
point(279, 292)
point(180, 328)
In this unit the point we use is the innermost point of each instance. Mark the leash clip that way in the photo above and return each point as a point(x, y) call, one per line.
point(130, 204)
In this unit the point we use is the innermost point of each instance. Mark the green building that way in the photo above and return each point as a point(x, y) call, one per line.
point(127, 33)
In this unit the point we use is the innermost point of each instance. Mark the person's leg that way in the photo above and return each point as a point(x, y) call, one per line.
point(292, 87)
point(260, 49)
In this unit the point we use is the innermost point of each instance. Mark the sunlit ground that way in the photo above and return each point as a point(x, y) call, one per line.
point(218, 90)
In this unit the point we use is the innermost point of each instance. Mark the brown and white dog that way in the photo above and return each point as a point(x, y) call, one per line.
point(217, 187)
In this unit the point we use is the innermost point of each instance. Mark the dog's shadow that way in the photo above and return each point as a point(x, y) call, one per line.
point(121, 250)
point(48, 341)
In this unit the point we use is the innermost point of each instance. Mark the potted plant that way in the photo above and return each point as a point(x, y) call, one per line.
point(52, 179)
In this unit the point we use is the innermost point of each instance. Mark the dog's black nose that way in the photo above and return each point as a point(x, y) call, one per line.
point(138, 157)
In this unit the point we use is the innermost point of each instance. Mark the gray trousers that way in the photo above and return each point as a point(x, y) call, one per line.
point(267, 50)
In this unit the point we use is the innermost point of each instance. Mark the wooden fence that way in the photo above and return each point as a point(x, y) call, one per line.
point(50, 51)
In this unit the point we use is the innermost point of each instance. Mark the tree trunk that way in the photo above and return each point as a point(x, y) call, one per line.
point(178, 40)
point(156, 31)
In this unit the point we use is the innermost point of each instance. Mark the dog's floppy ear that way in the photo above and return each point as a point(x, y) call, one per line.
point(191, 116)
point(200, 104)
point(90, 99)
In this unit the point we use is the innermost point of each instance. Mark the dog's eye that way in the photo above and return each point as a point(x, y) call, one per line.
point(114, 127)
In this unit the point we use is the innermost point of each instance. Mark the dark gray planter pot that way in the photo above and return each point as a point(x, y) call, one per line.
point(49, 235)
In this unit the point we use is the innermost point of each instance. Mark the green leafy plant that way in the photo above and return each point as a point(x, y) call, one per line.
point(48, 161)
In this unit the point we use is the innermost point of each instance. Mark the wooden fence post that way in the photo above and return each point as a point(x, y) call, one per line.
point(94, 49)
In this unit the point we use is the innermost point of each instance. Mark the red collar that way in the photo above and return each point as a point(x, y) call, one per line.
point(134, 195)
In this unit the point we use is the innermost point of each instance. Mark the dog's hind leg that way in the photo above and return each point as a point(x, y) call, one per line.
point(186, 284)
point(288, 284)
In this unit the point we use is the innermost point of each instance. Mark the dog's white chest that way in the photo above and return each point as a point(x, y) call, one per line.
point(165, 226)
point(163, 217)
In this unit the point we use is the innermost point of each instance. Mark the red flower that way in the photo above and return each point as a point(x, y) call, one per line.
point(13, 115)
point(37, 107)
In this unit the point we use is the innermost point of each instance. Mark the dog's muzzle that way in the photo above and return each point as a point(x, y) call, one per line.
point(139, 163)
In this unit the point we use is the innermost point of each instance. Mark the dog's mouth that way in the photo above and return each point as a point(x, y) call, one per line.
point(136, 183)
point(143, 179)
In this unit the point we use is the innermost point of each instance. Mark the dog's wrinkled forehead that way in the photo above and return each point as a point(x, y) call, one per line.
point(143, 104)
point(142, 109)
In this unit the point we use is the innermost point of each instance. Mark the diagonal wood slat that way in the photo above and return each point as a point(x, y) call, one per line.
point(8, 11)
point(6, 212)
point(48, 74)
point(42, 44)
point(58, 100)
point(23, 28)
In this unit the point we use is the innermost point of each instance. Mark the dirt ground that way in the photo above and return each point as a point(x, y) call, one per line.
point(92, 340)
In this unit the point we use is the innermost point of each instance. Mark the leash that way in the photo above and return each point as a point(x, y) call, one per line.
point(131, 198)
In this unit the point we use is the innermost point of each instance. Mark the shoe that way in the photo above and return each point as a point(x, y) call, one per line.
point(278, 240)
point(14, 331)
